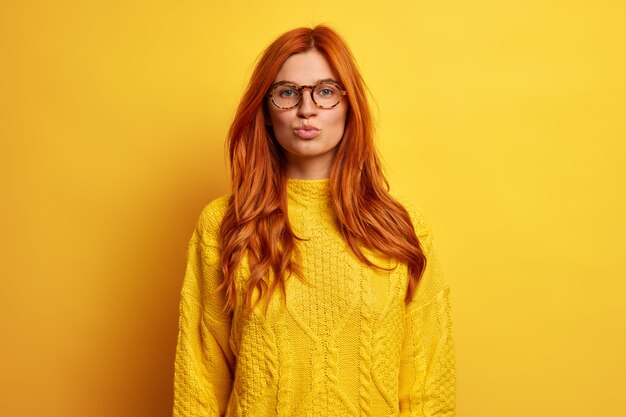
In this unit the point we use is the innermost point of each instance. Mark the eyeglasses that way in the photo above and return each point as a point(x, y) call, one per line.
point(326, 94)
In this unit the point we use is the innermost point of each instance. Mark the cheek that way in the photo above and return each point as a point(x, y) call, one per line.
point(281, 128)
point(279, 120)
point(339, 120)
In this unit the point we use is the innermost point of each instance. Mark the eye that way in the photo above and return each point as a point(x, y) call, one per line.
point(326, 91)
point(287, 92)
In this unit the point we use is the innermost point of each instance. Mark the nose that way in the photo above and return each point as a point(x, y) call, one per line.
point(307, 107)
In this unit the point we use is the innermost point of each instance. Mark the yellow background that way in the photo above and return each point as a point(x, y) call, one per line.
point(504, 121)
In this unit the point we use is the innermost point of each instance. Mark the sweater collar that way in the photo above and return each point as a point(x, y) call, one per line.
point(308, 191)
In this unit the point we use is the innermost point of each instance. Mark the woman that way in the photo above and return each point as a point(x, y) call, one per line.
point(310, 291)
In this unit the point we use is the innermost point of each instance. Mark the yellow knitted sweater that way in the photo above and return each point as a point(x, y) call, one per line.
point(346, 344)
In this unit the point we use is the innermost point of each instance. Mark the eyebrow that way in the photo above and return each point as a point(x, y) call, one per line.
point(295, 83)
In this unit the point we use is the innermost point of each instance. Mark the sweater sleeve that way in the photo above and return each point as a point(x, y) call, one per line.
point(427, 386)
point(204, 363)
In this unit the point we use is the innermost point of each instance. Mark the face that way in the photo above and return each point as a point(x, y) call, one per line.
point(309, 135)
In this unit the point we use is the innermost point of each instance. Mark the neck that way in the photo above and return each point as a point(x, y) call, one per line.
point(303, 168)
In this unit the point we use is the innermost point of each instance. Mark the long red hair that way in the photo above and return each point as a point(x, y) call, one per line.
point(256, 224)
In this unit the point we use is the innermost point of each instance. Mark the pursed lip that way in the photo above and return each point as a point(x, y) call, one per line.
point(306, 131)
point(305, 127)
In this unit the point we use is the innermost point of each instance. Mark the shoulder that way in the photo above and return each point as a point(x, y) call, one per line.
point(211, 218)
point(213, 213)
point(420, 223)
point(432, 284)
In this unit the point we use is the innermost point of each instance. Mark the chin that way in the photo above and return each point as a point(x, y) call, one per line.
point(311, 150)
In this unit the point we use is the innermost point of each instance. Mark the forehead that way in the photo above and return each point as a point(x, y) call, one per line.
point(305, 68)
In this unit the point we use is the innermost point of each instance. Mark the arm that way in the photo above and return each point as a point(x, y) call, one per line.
point(204, 362)
point(427, 369)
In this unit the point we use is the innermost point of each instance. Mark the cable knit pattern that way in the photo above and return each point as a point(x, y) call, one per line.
point(343, 344)
point(365, 350)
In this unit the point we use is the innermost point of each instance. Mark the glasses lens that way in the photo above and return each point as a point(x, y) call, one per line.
point(286, 95)
point(327, 95)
